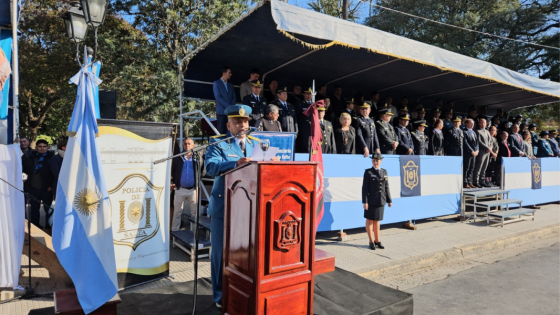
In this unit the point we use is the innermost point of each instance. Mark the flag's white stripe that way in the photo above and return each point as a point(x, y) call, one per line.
point(524, 180)
point(441, 184)
point(551, 178)
point(101, 219)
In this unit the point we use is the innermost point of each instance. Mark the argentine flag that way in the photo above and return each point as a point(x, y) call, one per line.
point(82, 233)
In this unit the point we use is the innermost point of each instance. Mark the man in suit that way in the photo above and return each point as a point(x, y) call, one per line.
point(515, 142)
point(367, 142)
point(221, 158)
point(470, 152)
point(225, 97)
point(337, 102)
point(453, 139)
point(270, 95)
point(256, 102)
point(246, 87)
point(375, 106)
point(406, 146)
point(185, 183)
point(328, 145)
point(485, 143)
point(472, 114)
point(296, 97)
point(419, 138)
point(387, 137)
point(287, 112)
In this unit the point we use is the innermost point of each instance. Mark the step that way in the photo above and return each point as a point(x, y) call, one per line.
point(186, 237)
point(324, 262)
point(482, 193)
point(492, 203)
point(204, 222)
point(511, 213)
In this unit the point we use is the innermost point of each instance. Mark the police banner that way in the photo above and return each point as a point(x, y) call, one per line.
point(283, 140)
point(139, 196)
point(410, 175)
point(536, 174)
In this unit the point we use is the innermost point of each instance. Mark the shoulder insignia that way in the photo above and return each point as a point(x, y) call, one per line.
point(253, 138)
point(218, 136)
point(355, 117)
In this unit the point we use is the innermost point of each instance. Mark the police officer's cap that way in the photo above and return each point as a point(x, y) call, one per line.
point(532, 126)
point(256, 83)
point(385, 111)
point(437, 110)
point(449, 111)
point(242, 111)
point(404, 109)
point(404, 117)
point(421, 110)
point(350, 101)
point(552, 131)
point(365, 105)
point(420, 122)
point(544, 133)
point(308, 91)
point(485, 107)
point(321, 107)
point(284, 89)
point(519, 117)
point(377, 156)
point(458, 118)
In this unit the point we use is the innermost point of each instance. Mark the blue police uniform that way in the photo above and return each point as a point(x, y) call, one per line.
point(544, 149)
point(554, 146)
point(221, 158)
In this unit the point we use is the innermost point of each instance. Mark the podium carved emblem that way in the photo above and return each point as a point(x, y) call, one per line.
point(288, 231)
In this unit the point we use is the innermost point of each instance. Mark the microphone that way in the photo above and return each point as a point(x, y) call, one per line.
point(249, 131)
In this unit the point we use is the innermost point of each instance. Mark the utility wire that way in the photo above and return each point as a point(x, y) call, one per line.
point(459, 27)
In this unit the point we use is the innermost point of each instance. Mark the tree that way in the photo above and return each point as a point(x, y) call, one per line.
point(532, 21)
point(334, 8)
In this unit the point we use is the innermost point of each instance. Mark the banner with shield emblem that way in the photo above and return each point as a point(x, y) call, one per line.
point(410, 175)
point(536, 174)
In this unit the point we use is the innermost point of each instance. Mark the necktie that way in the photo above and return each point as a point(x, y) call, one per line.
point(507, 147)
point(518, 138)
point(242, 146)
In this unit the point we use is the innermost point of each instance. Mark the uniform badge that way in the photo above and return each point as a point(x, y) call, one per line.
point(241, 112)
point(232, 155)
point(410, 174)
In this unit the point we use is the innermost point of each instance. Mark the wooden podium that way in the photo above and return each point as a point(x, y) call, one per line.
point(269, 239)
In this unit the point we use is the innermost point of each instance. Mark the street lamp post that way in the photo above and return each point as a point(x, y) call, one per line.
point(81, 16)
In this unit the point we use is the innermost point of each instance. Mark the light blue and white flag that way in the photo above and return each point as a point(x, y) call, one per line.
point(82, 233)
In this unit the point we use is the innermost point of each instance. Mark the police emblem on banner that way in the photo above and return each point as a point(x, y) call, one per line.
point(134, 204)
point(536, 174)
point(410, 175)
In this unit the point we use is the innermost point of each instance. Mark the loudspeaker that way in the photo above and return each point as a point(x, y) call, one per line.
point(108, 104)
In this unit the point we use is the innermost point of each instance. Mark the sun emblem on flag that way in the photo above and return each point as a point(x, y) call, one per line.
point(86, 201)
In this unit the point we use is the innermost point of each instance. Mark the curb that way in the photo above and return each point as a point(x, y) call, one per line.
point(457, 253)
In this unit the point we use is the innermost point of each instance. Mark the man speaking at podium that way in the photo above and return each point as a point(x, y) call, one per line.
point(221, 158)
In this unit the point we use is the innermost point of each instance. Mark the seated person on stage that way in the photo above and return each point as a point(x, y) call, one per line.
point(366, 134)
point(406, 146)
point(270, 121)
point(375, 195)
point(184, 182)
point(453, 139)
point(387, 136)
point(245, 88)
point(288, 115)
point(419, 138)
point(328, 145)
point(345, 136)
point(221, 158)
point(256, 102)
point(543, 147)
point(435, 146)
point(553, 143)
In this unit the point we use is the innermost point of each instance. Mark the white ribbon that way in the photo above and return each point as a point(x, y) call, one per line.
point(85, 72)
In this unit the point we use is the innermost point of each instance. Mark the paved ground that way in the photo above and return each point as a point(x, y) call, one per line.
point(432, 236)
point(525, 284)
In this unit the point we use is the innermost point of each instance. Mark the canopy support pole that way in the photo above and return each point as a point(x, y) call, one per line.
point(456, 90)
point(414, 81)
point(522, 99)
point(363, 70)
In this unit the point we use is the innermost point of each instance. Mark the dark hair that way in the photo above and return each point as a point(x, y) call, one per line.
point(337, 86)
point(322, 86)
point(42, 141)
point(437, 122)
point(374, 93)
point(24, 138)
point(62, 142)
point(255, 70)
point(225, 69)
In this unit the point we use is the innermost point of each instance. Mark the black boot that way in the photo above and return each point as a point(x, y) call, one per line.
point(379, 245)
point(371, 246)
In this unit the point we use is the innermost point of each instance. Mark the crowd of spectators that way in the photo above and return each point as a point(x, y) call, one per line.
point(364, 125)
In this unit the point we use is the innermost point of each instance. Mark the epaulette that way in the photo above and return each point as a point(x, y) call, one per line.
point(355, 117)
point(253, 138)
point(218, 136)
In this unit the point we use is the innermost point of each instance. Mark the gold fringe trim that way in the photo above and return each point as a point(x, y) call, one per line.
point(71, 134)
point(325, 46)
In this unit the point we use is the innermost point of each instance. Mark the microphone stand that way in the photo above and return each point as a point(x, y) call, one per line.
point(198, 171)
point(29, 291)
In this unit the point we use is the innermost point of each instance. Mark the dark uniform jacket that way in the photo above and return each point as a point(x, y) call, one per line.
point(257, 107)
point(304, 128)
point(470, 142)
point(375, 188)
point(435, 147)
point(543, 149)
point(420, 143)
point(453, 143)
point(405, 140)
point(288, 117)
point(554, 146)
point(386, 136)
point(329, 144)
point(367, 135)
point(45, 174)
point(516, 145)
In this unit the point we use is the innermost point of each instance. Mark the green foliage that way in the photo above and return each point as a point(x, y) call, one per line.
point(532, 21)
point(334, 8)
point(50, 140)
point(546, 117)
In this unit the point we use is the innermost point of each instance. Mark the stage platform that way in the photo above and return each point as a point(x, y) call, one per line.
point(337, 292)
